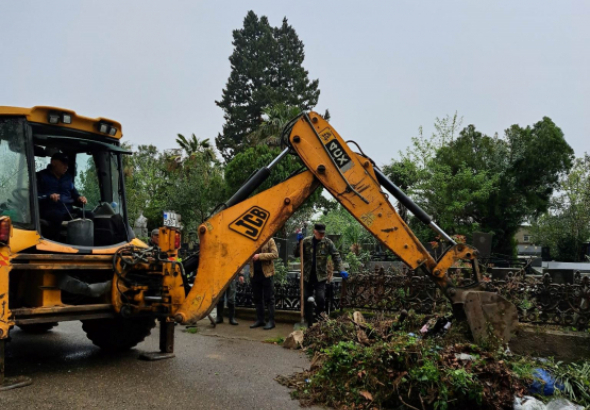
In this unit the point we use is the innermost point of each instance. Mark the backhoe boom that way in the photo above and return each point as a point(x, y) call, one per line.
point(230, 238)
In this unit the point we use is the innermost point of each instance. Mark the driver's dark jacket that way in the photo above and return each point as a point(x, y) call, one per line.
point(48, 184)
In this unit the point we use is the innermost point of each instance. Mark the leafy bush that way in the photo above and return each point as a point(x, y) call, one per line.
point(354, 263)
point(281, 271)
point(575, 378)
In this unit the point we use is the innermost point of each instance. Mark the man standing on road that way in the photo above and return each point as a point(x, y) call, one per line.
point(316, 250)
point(262, 270)
point(230, 296)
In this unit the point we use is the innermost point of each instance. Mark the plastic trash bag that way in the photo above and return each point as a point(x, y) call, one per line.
point(530, 403)
point(544, 383)
point(562, 404)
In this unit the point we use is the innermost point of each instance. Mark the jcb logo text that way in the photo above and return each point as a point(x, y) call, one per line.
point(251, 223)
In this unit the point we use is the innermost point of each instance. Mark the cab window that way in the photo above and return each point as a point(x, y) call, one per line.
point(15, 192)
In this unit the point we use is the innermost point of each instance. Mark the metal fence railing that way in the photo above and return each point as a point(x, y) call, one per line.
point(538, 299)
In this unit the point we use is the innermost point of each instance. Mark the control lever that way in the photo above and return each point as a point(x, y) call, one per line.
point(71, 217)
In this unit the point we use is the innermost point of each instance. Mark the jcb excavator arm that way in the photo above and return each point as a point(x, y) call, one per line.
point(230, 238)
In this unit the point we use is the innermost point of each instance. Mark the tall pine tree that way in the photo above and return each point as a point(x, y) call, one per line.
point(266, 70)
point(291, 84)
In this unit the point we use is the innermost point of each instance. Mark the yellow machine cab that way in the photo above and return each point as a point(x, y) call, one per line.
point(90, 214)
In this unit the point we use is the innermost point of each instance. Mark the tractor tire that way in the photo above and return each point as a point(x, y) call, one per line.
point(118, 334)
point(37, 328)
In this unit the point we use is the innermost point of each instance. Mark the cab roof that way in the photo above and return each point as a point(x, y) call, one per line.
point(40, 114)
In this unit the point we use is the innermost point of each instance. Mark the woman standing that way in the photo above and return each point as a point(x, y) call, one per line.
point(262, 270)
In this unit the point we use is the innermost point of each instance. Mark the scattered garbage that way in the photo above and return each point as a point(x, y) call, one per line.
point(437, 326)
point(531, 403)
point(563, 404)
point(464, 357)
point(544, 383)
point(294, 340)
point(528, 403)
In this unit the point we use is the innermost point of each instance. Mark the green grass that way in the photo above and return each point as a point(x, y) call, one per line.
point(275, 340)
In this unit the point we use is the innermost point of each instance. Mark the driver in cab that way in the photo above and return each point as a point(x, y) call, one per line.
point(57, 194)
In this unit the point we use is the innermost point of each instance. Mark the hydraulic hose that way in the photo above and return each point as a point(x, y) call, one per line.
point(254, 181)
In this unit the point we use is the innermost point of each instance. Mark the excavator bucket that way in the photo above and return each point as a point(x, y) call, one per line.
point(490, 316)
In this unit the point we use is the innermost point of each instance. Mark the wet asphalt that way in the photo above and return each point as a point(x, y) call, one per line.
point(208, 372)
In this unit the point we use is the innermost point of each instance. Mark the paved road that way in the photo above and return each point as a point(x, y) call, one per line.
point(209, 372)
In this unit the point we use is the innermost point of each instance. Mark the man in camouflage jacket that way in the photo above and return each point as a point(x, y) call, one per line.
point(316, 250)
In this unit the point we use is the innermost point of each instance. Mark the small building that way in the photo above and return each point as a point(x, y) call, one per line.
point(525, 243)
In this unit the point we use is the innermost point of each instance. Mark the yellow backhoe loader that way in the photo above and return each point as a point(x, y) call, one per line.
point(54, 272)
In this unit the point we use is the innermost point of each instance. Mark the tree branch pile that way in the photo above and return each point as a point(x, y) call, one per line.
point(377, 364)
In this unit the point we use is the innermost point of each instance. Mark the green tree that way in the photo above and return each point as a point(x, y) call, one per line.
point(534, 159)
point(194, 192)
point(412, 170)
point(353, 236)
point(239, 169)
point(471, 181)
point(566, 225)
point(275, 118)
point(145, 183)
point(405, 174)
point(194, 146)
point(89, 186)
point(266, 70)
point(190, 182)
point(290, 82)
point(195, 182)
point(245, 163)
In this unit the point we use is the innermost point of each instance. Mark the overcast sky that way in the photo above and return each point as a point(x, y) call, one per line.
point(385, 68)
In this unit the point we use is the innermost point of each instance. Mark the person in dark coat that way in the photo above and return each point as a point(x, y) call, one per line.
point(316, 250)
point(57, 195)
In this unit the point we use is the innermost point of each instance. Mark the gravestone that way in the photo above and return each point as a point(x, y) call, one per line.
point(483, 243)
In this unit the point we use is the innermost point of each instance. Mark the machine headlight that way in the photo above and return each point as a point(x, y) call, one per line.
point(67, 118)
point(112, 131)
point(53, 117)
point(103, 127)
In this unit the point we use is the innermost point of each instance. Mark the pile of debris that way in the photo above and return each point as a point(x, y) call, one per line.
point(381, 364)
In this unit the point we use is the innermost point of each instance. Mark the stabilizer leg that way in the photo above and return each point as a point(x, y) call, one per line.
point(167, 336)
point(166, 343)
point(9, 383)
